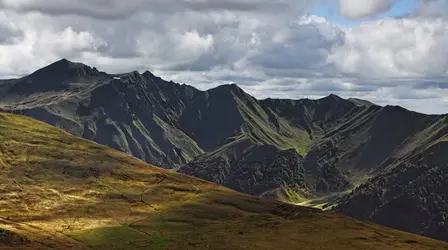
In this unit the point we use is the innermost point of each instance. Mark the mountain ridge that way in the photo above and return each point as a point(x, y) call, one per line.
point(71, 64)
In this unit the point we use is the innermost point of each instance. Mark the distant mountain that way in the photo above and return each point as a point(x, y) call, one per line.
point(333, 152)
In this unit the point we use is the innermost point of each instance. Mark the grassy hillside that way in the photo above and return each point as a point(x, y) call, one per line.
point(62, 192)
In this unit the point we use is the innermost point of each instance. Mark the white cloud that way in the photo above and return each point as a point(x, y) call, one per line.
point(356, 9)
point(70, 41)
point(394, 48)
point(191, 43)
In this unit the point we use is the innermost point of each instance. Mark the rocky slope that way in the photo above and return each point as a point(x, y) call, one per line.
point(264, 170)
point(410, 195)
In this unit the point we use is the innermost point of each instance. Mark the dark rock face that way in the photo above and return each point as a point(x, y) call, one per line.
point(257, 170)
point(395, 158)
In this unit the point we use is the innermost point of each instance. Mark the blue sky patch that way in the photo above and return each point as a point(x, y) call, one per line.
point(330, 12)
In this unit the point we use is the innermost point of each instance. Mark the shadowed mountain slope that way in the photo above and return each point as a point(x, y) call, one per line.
point(60, 191)
point(415, 186)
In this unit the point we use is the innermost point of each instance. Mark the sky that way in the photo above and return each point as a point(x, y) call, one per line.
point(390, 52)
point(330, 11)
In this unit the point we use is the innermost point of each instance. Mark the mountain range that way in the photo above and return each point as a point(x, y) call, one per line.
point(384, 164)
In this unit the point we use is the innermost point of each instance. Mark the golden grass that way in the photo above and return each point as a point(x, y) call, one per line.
point(63, 192)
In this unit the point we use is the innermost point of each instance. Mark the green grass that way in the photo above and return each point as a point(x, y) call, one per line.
point(300, 142)
point(116, 237)
point(285, 136)
point(429, 137)
point(293, 195)
point(138, 124)
point(443, 139)
point(179, 139)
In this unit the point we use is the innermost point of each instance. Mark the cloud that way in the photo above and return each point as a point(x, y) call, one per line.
point(432, 8)
point(69, 42)
point(302, 45)
point(118, 9)
point(356, 9)
point(9, 32)
point(394, 48)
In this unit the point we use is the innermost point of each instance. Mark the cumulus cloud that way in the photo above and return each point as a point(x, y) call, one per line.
point(69, 42)
point(300, 46)
point(394, 48)
point(356, 9)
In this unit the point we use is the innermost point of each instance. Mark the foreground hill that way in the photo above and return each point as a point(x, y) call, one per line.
point(342, 154)
point(63, 192)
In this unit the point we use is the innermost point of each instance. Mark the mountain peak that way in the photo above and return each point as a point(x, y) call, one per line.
point(333, 97)
point(67, 67)
point(64, 63)
point(231, 88)
point(55, 76)
point(361, 102)
point(148, 73)
point(64, 60)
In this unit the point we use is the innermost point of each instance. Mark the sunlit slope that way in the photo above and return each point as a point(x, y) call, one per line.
point(62, 192)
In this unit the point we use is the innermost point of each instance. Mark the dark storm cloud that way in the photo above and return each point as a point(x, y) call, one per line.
point(441, 83)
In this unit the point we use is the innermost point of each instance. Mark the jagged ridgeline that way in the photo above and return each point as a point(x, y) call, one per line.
point(343, 154)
